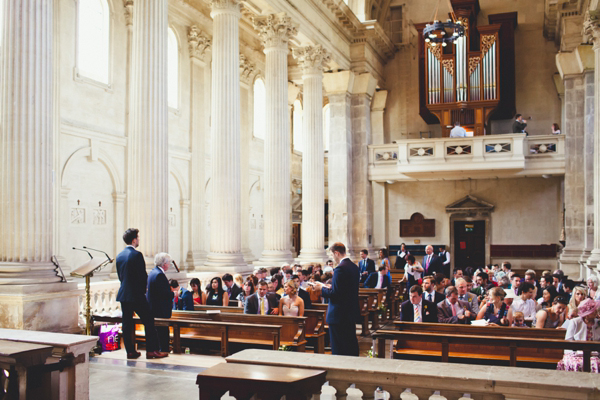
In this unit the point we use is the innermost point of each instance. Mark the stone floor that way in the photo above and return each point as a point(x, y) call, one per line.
point(112, 376)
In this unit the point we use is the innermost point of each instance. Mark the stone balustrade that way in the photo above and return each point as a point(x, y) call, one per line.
point(480, 157)
point(358, 378)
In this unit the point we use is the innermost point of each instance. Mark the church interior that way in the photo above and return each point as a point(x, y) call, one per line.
point(246, 134)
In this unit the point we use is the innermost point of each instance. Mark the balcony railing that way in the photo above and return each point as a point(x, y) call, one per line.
point(489, 156)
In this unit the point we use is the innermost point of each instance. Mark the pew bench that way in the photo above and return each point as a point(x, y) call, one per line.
point(376, 297)
point(315, 323)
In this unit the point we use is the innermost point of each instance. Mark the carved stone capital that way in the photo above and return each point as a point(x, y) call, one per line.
point(198, 42)
point(225, 5)
point(128, 4)
point(312, 58)
point(591, 29)
point(246, 69)
point(275, 30)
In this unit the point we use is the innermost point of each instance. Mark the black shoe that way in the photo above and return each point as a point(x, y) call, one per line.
point(134, 355)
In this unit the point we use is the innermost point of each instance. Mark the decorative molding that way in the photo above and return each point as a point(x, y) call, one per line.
point(225, 5)
point(465, 22)
point(99, 216)
point(246, 69)
point(128, 5)
point(435, 50)
point(486, 42)
point(198, 43)
point(591, 29)
point(449, 65)
point(312, 58)
point(473, 64)
point(77, 215)
point(275, 30)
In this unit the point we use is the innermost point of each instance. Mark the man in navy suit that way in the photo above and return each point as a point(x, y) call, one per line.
point(378, 280)
point(343, 311)
point(417, 309)
point(160, 296)
point(432, 263)
point(183, 299)
point(131, 269)
point(366, 265)
point(262, 302)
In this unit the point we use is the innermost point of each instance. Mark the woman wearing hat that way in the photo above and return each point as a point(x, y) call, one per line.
point(583, 327)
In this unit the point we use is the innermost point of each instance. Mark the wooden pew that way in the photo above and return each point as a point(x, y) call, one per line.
point(363, 301)
point(225, 332)
point(315, 323)
point(376, 298)
point(460, 329)
point(293, 329)
point(492, 349)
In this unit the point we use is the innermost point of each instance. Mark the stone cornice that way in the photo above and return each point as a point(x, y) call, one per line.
point(275, 30)
point(225, 6)
point(312, 59)
point(198, 43)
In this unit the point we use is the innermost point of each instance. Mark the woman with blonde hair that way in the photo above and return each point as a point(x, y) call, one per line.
point(291, 304)
point(238, 279)
point(577, 297)
point(496, 310)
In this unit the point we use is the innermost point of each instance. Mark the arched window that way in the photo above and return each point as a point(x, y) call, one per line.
point(260, 114)
point(93, 39)
point(297, 128)
point(326, 125)
point(173, 70)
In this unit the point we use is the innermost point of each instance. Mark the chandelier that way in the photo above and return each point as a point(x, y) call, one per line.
point(443, 33)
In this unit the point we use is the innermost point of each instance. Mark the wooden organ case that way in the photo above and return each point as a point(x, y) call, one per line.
point(473, 80)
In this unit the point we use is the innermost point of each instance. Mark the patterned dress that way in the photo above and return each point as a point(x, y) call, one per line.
point(574, 361)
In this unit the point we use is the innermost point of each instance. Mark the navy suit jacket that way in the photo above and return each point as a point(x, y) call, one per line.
point(369, 267)
point(436, 265)
point(251, 306)
point(160, 296)
point(343, 295)
point(428, 311)
point(437, 297)
point(374, 278)
point(185, 301)
point(131, 269)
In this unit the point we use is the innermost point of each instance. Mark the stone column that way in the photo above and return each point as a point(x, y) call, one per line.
point(225, 205)
point(148, 169)
point(313, 59)
point(362, 197)
point(199, 47)
point(588, 167)
point(338, 86)
point(275, 30)
point(592, 29)
point(380, 225)
point(26, 188)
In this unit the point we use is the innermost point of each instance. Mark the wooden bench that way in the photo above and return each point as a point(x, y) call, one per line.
point(293, 329)
point(460, 329)
point(377, 297)
point(363, 305)
point(224, 332)
point(494, 349)
point(315, 323)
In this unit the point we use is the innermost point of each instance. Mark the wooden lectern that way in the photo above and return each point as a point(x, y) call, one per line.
point(87, 271)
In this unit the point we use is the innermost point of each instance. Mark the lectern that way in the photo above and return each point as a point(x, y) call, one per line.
point(87, 271)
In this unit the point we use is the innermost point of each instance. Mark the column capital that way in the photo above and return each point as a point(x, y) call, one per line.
point(275, 30)
point(591, 29)
point(246, 69)
point(128, 5)
point(312, 59)
point(224, 6)
point(198, 43)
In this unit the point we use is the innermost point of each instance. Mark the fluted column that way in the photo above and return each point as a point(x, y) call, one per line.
point(592, 29)
point(26, 153)
point(275, 30)
point(313, 59)
point(225, 206)
point(147, 181)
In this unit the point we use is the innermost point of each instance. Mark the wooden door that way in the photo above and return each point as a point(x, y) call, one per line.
point(469, 244)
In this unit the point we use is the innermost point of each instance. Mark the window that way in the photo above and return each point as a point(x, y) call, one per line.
point(173, 70)
point(260, 114)
point(297, 127)
point(326, 125)
point(393, 24)
point(93, 29)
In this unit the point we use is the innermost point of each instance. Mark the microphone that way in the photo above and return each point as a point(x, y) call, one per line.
point(99, 251)
point(75, 248)
point(176, 267)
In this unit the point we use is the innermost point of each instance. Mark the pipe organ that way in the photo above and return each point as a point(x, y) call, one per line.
point(471, 81)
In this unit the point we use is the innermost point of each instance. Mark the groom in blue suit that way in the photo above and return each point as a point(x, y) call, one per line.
point(343, 311)
point(366, 265)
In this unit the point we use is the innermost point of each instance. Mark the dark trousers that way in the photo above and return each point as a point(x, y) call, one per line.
point(163, 338)
point(142, 309)
point(343, 339)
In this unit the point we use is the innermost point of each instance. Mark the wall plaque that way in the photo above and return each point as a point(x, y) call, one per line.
point(417, 225)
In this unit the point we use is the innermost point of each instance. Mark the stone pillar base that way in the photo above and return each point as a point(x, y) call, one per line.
point(274, 258)
point(195, 259)
point(248, 256)
point(570, 262)
point(221, 262)
point(593, 261)
point(308, 256)
point(42, 307)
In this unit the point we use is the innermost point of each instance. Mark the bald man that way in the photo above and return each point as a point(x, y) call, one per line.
point(432, 263)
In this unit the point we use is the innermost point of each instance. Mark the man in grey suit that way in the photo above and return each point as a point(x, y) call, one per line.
point(454, 311)
point(463, 295)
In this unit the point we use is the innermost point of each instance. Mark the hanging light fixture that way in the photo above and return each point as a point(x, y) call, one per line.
point(442, 33)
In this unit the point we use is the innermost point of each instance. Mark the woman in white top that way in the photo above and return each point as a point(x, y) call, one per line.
point(412, 272)
point(584, 328)
point(555, 129)
point(291, 304)
point(593, 292)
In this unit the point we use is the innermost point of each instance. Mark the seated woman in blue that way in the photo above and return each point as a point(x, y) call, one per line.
point(496, 310)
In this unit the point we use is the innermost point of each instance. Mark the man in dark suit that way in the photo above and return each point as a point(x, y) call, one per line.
point(131, 269)
point(160, 297)
point(183, 299)
point(262, 302)
point(429, 292)
point(302, 293)
point(519, 124)
point(432, 264)
point(454, 311)
point(378, 280)
point(232, 289)
point(366, 265)
point(342, 312)
point(417, 309)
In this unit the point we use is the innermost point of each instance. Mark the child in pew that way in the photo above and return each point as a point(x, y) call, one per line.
point(519, 320)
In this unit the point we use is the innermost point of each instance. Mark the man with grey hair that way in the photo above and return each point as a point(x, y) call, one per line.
point(454, 311)
point(160, 296)
point(432, 263)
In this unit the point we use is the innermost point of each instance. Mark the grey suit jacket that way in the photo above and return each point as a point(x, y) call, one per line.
point(445, 313)
point(473, 301)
